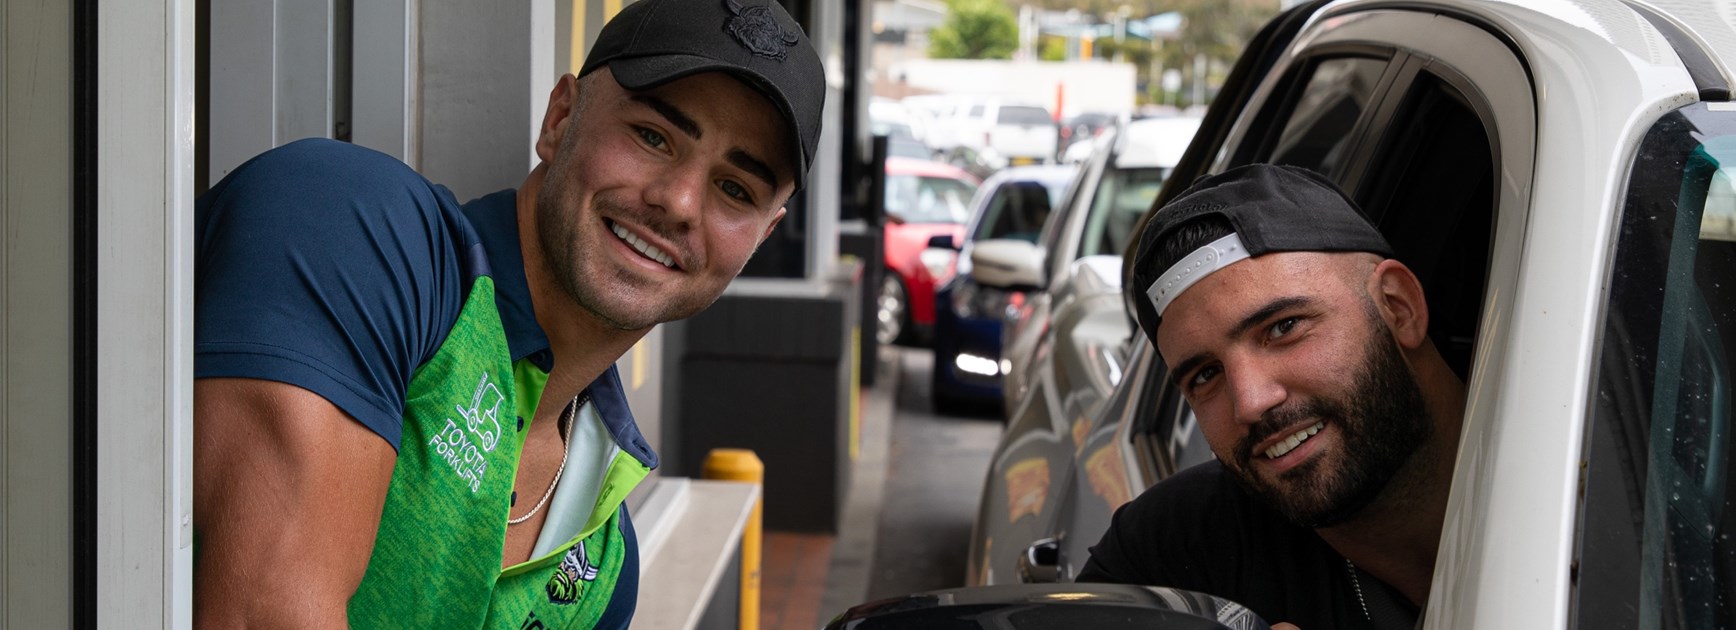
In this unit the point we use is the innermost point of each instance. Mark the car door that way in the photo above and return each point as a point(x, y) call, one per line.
point(1429, 124)
point(1439, 156)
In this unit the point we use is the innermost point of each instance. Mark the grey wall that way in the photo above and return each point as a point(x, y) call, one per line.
point(35, 314)
point(480, 86)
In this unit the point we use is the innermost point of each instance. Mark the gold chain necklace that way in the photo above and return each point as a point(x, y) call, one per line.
point(567, 427)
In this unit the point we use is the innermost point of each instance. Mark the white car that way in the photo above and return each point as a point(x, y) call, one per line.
point(1095, 220)
point(997, 133)
point(1555, 174)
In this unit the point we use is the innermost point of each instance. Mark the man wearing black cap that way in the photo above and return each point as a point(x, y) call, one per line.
point(1302, 347)
point(406, 413)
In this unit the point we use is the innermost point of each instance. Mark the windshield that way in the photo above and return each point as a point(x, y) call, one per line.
point(1122, 196)
point(1018, 209)
point(919, 199)
point(1659, 509)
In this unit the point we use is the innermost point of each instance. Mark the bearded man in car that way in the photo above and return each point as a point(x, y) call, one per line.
point(1302, 347)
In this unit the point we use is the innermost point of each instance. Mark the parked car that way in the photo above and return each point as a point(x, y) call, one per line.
point(924, 199)
point(1097, 218)
point(1560, 181)
point(890, 118)
point(1013, 204)
point(1082, 127)
point(996, 133)
point(930, 118)
point(1066, 346)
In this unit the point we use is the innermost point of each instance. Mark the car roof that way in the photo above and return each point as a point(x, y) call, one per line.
point(896, 165)
point(1046, 174)
point(1037, 171)
point(1711, 25)
point(1154, 142)
point(1582, 29)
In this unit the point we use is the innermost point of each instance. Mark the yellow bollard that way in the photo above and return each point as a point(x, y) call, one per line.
point(740, 464)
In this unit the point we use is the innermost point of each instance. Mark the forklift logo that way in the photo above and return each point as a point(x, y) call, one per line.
point(483, 416)
point(758, 31)
point(465, 445)
point(563, 586)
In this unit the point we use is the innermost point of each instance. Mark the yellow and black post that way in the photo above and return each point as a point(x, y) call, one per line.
point(739, 464)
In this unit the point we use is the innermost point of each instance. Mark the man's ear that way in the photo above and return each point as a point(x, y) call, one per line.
point(774, 224)
point(1398, 295)
point(561, 101)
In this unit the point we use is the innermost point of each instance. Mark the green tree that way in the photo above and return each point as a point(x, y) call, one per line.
point(1052, 48)
point(975, 29)
point(1217, 30)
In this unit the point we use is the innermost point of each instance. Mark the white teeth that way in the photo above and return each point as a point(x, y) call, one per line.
point(642, 247)
point(1279, 449)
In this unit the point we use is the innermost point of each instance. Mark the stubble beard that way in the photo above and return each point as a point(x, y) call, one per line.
point(581, 273)
point(1383, 423)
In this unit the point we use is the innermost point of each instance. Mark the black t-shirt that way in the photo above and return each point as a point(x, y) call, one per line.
point(1200, 531)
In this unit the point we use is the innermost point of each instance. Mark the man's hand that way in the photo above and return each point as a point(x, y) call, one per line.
point(287, 494)
point(1284, 626)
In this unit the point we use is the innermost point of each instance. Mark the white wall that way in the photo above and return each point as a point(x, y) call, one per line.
point(144, 319)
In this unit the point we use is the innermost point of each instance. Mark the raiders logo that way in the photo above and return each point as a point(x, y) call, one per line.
point(758, 31)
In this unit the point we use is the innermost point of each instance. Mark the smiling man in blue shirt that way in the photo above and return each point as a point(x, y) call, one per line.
point(406, 411)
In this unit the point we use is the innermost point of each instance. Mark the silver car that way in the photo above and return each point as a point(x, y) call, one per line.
point(1067, 345)
point(1114, 187)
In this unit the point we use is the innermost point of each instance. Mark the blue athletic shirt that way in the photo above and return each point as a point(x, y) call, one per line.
point(340, 270)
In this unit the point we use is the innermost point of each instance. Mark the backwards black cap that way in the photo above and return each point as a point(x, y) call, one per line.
point(1271, 208)
point(653, 42)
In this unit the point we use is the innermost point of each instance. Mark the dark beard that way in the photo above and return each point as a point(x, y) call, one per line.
point(1384, 421)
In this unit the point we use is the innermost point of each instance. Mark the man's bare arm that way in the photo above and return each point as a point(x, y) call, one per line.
point(287, 494)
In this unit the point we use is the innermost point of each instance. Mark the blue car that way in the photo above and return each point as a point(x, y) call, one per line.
point(1011, 204)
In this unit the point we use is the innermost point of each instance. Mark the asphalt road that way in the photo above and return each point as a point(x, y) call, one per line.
point(934, 481)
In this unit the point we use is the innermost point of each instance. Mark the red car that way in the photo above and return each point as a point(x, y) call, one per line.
point(923, 200)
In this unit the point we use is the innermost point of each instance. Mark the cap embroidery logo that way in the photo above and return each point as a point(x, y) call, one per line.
point(758, 30)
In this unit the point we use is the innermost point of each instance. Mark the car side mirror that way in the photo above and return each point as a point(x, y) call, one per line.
point(1041, 562)
point(1007, 264)
point(942, 241)
point(1052, 607)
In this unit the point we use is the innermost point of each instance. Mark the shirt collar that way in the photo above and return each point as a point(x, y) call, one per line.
point(495, 217)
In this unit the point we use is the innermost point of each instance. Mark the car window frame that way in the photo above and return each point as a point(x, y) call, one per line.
point(1271, 120)
point(1497, 65)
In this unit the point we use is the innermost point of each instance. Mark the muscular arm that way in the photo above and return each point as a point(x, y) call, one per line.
point(287, 496)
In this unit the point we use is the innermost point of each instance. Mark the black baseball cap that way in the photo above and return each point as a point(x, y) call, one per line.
point(1271, 208)
point(653, 42)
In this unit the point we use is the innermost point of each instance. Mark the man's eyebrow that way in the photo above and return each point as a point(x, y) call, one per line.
point(1184, 367)
point(1251, 320)
point(1266, 312)
point(674, 114)
point(757, 167)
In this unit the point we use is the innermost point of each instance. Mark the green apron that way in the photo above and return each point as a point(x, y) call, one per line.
point(436, 559)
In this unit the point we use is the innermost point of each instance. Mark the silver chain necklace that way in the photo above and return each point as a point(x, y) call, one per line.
point(1356, 583)
point(567, 427)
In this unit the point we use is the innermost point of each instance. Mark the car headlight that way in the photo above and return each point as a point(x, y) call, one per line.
point(939, 263)
point(973, 301)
